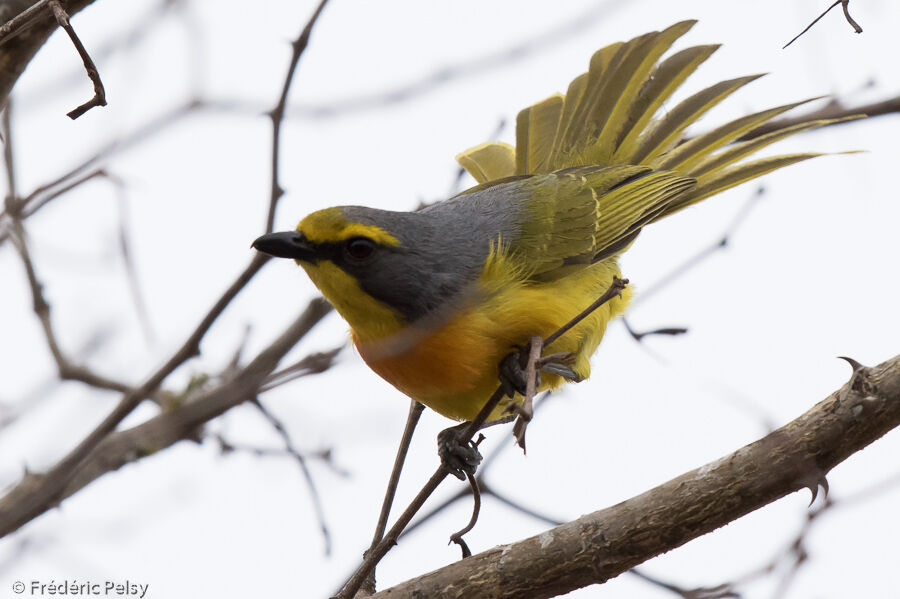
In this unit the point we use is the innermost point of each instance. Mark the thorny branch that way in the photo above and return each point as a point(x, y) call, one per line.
point(604, 544)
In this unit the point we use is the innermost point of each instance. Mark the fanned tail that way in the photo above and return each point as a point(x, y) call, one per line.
point(609, 117)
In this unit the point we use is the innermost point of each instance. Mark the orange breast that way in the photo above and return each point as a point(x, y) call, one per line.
point(451, 368)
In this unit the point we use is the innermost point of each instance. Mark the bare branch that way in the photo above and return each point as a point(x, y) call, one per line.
point(104, 451)
point(37, 494)
point(99, 98)
point(601, 545)
point(22, 40)
point(67, 370)
point(277, 113)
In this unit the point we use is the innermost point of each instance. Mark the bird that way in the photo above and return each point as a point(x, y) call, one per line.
point(437, 297)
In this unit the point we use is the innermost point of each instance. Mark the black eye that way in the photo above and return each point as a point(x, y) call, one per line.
point(359, 249)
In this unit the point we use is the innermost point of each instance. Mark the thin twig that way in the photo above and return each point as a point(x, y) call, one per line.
point(451, 73)
point(412, 420)
point(457, 537)
point(723, 591)
point(507, 501)
point(277, 113)
point(315, 363)
point(665, 331)
point(845, 4)
point(718, 245)
point(99, 98)
point(615, 290)
point(325, 456)
point(67, 370)
point(134, 283)
point(304, 468)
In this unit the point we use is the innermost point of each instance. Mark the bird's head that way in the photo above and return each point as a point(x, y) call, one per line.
point(381, 270)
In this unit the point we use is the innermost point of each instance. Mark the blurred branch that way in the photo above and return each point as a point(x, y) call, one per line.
point(832, 110)
point(67, 370)
point(311, 364)
point(13, 206)
point(105, 451)
point(717, 245)
point(36, 494)
point(301, 462)
point(606, 543)
point(479, 65)
point(125, 250)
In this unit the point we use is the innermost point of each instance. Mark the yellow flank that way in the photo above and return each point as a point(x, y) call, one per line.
point(453, 369)
point(330, 225)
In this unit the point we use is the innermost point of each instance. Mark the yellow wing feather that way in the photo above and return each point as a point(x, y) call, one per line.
point(609, 116)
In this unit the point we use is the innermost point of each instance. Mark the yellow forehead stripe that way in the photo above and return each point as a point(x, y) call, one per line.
point(330, 225)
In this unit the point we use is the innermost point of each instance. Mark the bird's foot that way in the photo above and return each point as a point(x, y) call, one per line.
point(458, 456)
point(512, 373)
point(560, 364)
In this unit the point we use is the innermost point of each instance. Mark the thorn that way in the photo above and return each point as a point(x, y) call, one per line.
point(857, 380)
point(856, 366)
point(813, 487)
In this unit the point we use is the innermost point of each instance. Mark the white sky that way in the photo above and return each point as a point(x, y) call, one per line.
point(811, 274)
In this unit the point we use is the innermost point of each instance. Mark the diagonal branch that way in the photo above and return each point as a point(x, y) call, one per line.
point(601, 545)
point(37, 493)
point(846, 6)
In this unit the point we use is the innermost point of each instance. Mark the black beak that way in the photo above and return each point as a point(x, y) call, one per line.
point(287, 244)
